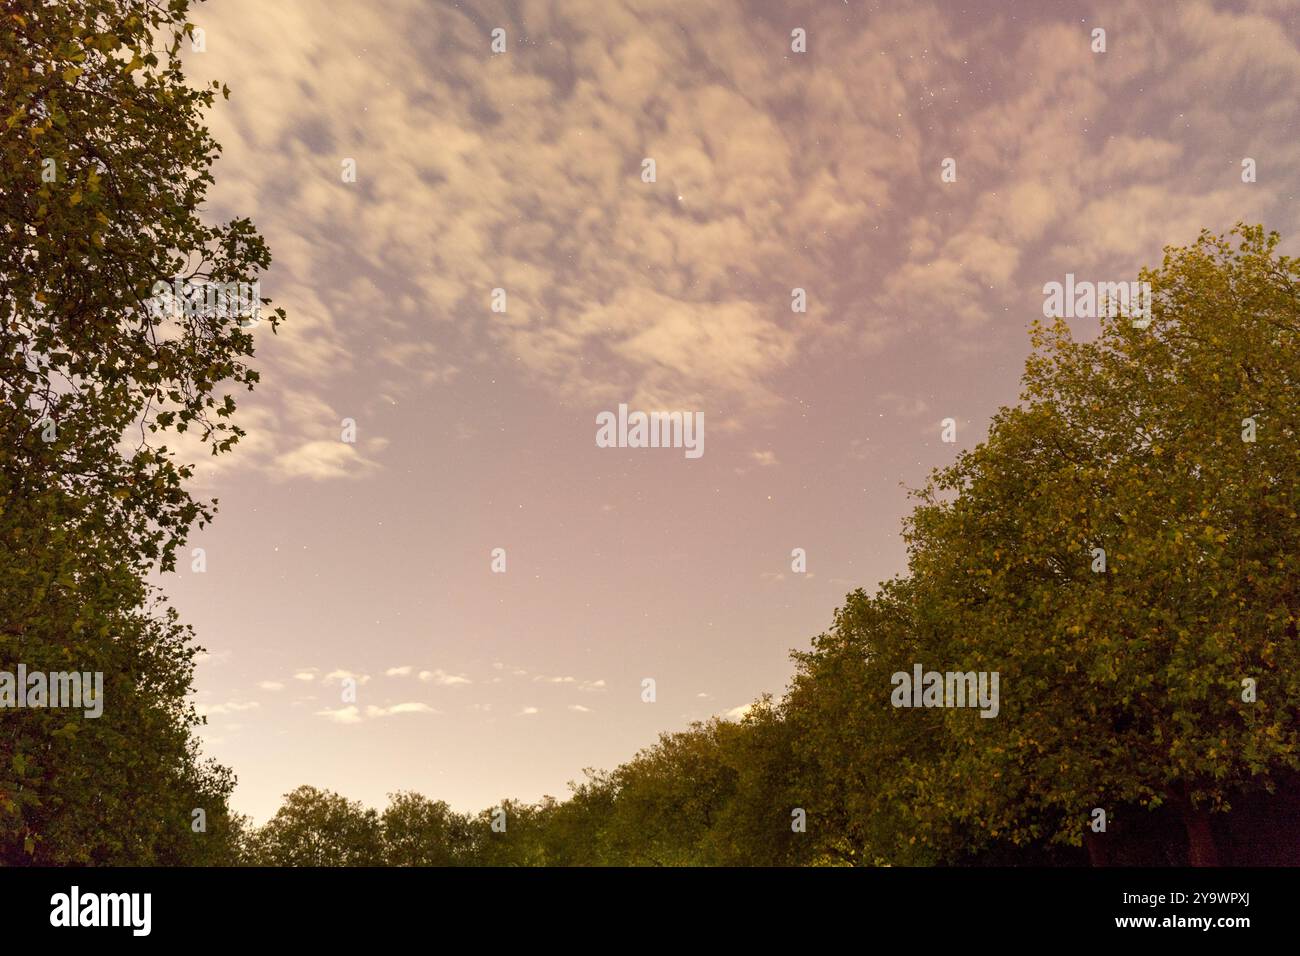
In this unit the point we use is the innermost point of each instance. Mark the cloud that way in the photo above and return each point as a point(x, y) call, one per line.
point(342, 715)
point(904, 406)
point(738, 713)
point(772, 172)
point(413, 707)
point(352, 714)
point(580, 709)
point(443, 679)
point(291, 433)
point(528, 712)
point(679, 283)
point(437, 676)
point(270, 685)
point(342, 675)
point(321, 461)
point(230, 707)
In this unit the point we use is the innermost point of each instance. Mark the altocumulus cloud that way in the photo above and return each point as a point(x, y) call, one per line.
point(682, 286)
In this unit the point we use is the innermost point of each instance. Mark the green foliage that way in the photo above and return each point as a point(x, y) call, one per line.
point(418, 831)
point(319, 828)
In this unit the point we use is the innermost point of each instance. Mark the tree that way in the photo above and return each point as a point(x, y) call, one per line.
point(319, 828)
point(669, 797)
point(865, 772)
point(104, 166)
point(105, 163)
point(418, 831)
point(1128, 685)
point(574, 829)
point(511, 833)
point(760, 824)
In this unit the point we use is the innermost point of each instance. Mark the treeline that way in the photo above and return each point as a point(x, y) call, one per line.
point(1121, 551)
point(666, 821)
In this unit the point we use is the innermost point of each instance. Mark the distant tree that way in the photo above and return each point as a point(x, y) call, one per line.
point(669, 796)
point(765, 820)
point(319, 828)
point(865, 772)
point(511, 834)
point(418, 831)
point(573, 833)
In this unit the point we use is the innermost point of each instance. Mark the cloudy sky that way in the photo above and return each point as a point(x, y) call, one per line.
point(475, 429)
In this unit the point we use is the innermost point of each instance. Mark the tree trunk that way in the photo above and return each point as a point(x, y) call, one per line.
point(1201, 848)
point(1098, 848)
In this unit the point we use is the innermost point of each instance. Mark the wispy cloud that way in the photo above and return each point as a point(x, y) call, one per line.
point(321, 461)
point(343, 674)
point(230, 707)
point(342, 715)
point(443, 678)
point(412, 707)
